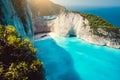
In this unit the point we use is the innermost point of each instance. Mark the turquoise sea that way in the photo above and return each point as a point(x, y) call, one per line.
point(74, 59)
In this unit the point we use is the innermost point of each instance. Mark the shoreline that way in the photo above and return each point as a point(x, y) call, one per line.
point(41, 36)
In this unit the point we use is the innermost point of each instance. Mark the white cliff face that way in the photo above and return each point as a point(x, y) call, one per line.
point(70, 23)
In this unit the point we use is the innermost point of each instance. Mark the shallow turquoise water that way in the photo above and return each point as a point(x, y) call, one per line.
point(73, 59)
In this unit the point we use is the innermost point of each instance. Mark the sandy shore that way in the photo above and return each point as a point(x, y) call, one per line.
point(41, 36)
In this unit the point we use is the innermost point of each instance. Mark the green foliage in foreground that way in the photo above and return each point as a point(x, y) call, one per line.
point(97, 22)
point(17, 57)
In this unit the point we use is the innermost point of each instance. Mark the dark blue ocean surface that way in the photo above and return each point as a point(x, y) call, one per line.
point(111, 14)
point(73, 59)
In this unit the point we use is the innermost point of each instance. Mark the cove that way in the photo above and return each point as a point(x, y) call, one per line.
point(74, 59)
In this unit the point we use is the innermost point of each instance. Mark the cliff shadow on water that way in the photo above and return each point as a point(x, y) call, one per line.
point(57, 61)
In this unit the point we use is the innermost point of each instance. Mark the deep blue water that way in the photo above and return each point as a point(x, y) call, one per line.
point(111, 14)
point(73, 59)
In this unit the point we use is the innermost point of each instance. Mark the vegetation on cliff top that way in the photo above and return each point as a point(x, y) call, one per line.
point(96, 21)
point(17, 57)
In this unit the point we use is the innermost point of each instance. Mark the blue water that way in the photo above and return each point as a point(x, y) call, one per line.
point(111, 14)
point(73, 59)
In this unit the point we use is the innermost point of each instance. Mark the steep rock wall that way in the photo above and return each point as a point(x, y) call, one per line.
point(17, 13)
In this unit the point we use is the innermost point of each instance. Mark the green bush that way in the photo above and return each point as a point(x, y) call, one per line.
point(97, 22)
point(17, 57)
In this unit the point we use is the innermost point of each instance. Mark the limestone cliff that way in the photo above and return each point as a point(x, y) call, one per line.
point(72, 23)
point(41, 11)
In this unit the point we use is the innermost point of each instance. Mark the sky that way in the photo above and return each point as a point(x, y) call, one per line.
point(88, 2)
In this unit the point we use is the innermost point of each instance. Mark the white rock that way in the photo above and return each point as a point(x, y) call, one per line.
point(71, 23)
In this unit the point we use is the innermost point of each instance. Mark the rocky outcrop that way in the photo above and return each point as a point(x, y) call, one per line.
point(41, 25)
point(17, 13)
point(70, 23)
point(43, 11)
